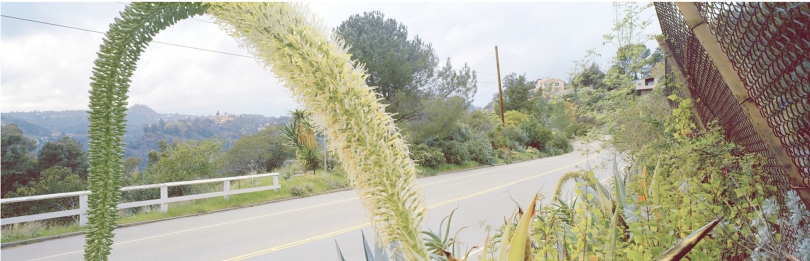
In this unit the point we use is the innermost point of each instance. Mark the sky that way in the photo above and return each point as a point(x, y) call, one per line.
point(44, 67)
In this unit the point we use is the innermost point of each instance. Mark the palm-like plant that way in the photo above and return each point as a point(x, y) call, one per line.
point(301, 135)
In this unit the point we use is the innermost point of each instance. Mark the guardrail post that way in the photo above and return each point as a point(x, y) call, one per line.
point(83, 208)
point(164, 195)
point(275, 182)
point(227, 186)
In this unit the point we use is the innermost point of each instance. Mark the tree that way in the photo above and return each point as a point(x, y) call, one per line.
point(66, 152)
point(517, 93)
point(184, 161)
point(263, 151)
point(301, 135)
point(591, 77)
point(462, 83)
point(396, 66)
point(18, 162)
point(56, 179)
point(439, 119)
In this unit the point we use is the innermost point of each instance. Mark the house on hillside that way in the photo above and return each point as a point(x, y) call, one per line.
point(551, 87)
point(645, 86)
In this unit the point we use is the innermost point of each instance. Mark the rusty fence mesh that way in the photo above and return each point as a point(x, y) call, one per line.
point(769, 47)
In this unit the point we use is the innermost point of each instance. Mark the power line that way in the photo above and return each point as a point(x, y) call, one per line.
point(98, 32)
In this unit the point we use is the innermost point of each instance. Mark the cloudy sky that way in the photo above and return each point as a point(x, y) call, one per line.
point(44, 67)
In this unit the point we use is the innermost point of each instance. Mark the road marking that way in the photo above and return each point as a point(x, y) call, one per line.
point(325, 204)
point(482, 173)
point(203, 227)
point(335, 233)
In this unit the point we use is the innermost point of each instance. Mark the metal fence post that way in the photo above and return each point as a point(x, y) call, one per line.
point(275, 182)
point(227, 189)
point(164, 195)
point(83, 208)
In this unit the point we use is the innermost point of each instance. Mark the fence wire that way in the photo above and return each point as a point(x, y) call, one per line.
point(769, 47)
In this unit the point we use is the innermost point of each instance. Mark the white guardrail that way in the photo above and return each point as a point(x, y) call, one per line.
point(164, 199)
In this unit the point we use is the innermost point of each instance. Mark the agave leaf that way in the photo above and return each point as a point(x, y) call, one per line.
point(503, 255)
point(680, 250)
point(484, 250)
point(618, 184)
point(369, 255)
point(340, 254)
point(517, 248)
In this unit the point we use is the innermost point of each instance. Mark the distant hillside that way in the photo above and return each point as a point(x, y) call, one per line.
point(226, 127)
point(145, 127)
point(28, 128)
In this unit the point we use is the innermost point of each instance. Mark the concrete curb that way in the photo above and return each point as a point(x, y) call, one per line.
point(41, 239)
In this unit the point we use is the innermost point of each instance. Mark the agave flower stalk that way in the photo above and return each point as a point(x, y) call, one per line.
point(318, 71)
point(119, 53)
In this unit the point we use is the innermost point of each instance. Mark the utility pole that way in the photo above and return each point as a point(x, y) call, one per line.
point(324, 154)
point(500, 91)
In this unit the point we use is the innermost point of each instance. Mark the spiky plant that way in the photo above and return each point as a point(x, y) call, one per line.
point(315, 67)
point(119, 53)
point(318, 71)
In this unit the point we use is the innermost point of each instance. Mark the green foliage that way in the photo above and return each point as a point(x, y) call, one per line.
point(517, 93)
point(117, 57)
point(301, 134)
point(537, 136)
point(514, 118)
point(398, 67)
point(18, 162)
point(427, 156)
point(439, 119)
point(260, 152)
point(190, 160)
point(454, 152)
point(66, 152)
point(450, 83)
point(56, 179)
point(481, 151)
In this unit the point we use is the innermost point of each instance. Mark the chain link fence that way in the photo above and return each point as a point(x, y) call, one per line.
point(768, 45)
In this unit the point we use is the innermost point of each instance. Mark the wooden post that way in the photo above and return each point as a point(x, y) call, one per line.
point(681, 80)
point(500, 91)
point(83, 208)
point(710, 43)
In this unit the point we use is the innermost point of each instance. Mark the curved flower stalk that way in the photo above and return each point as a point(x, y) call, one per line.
point(318, 72)
point(122, 46)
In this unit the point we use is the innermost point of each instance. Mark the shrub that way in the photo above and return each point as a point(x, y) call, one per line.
point(561, 142)
point(515, 134)
point(536, 136)
point(426, 156)
point(454, 152)
point(298, 191)
point(480, 151)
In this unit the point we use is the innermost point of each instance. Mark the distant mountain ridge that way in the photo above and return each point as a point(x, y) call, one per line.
point(145, 127)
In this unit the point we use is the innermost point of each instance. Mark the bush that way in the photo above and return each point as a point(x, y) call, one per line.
point(536, 136)
point(454, 152)
point(426, 156)
point(480, 151)
point(515, 134)
point(561, 142)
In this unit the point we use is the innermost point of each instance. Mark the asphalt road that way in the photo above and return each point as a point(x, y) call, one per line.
point(307, 228)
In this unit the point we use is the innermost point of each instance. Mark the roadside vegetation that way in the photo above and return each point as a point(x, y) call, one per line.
point(688, 192)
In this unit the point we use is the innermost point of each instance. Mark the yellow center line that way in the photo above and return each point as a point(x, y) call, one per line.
point(335, 233)
point(204, 227)
point(473, 175)
point(330, 203)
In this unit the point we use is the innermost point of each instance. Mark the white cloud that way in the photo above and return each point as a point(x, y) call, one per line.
point(48, 68)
